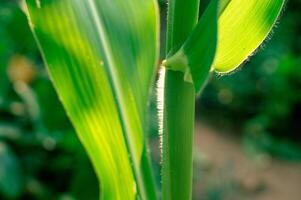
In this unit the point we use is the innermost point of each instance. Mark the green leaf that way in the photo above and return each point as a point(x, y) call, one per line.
point(102, 56)
point(242, 27)
point(197, 53)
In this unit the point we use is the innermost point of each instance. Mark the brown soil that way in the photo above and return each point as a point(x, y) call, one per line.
point(224, 172)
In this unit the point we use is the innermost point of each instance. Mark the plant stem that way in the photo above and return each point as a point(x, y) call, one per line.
point(179, 104)
point(179, 107)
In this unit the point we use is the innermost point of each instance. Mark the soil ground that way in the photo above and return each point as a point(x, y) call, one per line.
point(223, 171)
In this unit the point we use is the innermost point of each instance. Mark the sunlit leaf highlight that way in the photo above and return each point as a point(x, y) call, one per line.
point(242, 27)
point(101, 56)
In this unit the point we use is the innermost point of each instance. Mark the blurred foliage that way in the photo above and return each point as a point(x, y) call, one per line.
point(41, 157)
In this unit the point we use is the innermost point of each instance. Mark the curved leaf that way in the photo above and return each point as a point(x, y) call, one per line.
point(101, 56)
point(242, 27)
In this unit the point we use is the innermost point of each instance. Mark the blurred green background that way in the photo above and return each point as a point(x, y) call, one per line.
point(248, 131)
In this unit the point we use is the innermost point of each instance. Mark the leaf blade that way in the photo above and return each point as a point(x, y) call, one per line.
point(243, 26)
point(96, 59)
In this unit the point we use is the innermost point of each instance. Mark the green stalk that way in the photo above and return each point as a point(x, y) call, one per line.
point(179, 107)
point(178, 131)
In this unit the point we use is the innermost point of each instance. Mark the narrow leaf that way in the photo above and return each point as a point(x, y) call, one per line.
point(101, 56)
point(242, 27)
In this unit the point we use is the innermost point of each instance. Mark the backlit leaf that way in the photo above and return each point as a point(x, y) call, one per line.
point(242, 27)
point(101, 56)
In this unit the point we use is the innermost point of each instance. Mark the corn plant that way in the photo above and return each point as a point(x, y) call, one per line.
point(102, 57)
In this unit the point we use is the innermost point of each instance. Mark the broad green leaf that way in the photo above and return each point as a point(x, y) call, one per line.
point(242, 27)
point(101, 56)
point(197, 54)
